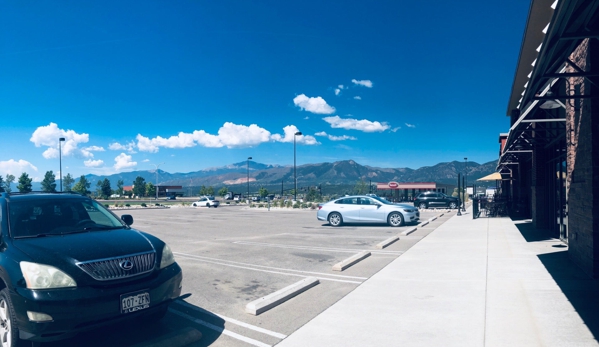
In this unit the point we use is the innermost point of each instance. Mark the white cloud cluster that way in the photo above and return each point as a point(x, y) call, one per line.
point(410, 125)
point(289, 134)
point(93, 163)
point(130, 147)
point(314, 105)
point(357, 97)
point(335, 138)
point(364, 83)
point(15, 168)
point(339, 89)
point(49, 135)
point(123, 161)
point(354, 124)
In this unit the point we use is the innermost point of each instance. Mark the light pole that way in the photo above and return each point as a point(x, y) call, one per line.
point(248, 196)
point(157, 166)
point(299, 133)
point(60, 159)
point(465, 182)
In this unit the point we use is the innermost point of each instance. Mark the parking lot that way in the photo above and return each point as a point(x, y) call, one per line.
point(233, 255)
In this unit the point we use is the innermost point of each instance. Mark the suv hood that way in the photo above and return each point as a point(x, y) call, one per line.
point(86, 246)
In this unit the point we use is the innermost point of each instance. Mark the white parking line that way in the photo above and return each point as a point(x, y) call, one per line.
point(220, 330)
point(234, 321)
point(267, 267)
point(343, 250)
point(336, 235)
point(268, 271)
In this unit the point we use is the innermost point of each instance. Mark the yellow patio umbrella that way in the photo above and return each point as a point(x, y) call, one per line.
point(495, 176)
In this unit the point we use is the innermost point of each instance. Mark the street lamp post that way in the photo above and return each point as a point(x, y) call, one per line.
point(156, 185)
point(248, 196)
point(60, 159)
point(299, 133)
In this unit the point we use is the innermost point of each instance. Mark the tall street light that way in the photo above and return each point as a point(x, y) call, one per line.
point(157, 166)
point(465, 182)
point(299, 133)
point(60, 159)
point(249, 158)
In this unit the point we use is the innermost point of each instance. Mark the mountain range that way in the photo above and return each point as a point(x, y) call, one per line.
point(346, 172)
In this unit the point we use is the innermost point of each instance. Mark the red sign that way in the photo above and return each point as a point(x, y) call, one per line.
point(393, 185)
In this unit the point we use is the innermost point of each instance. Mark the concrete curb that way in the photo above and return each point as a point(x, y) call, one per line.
point(350, 261)
point(266, 303)
point(409, 231)
point(181, 337)
point(387, 242)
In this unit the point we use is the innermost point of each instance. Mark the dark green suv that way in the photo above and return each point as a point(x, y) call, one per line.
point(435, 199)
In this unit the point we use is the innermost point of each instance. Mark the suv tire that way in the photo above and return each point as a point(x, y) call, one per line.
point(422, 205)
point(453, 205)
point(8, 320)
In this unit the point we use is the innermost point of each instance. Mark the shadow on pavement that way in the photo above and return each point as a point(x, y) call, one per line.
point(529, 232)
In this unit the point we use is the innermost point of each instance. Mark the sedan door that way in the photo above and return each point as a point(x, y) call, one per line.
point(371, 211)
point(349, 209)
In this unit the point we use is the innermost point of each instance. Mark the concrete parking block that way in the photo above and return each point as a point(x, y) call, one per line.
point(387, 242)
point(424, 223)
point(432, 219)
point(266, 303)
point(350, 261)
point(409, 231)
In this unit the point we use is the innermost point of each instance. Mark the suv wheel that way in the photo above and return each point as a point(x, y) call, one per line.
point(422, 205)
point(453, 205)
point(9, 333)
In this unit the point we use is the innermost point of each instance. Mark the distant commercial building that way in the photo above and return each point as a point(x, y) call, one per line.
point(549, 159)
point(406, 191)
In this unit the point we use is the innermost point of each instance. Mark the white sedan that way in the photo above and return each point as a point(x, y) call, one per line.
point(208, 201)
point(366, 209)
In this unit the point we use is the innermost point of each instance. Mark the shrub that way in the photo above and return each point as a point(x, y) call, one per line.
point(304, 205)
point(143, 204)
point(260, 205)
point(296, 205)
point(157, 204)
point(128, 205)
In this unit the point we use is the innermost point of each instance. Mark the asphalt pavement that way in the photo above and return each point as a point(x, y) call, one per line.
point(471, 282)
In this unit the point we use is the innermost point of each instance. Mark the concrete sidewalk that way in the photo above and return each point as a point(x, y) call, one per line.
point(482, 282)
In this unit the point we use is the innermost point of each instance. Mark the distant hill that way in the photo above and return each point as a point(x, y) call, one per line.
point(346, 172)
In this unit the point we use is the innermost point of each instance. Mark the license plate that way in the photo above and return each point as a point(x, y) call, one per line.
point(135, 301)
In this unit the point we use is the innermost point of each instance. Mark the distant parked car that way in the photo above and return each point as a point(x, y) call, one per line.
point(366, 209)
point(208, 201)
point(435, 199)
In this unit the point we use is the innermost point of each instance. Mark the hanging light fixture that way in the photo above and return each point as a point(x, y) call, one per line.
point(550, 104)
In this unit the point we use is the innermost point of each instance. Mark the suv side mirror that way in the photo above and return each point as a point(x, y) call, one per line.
point(127, 218)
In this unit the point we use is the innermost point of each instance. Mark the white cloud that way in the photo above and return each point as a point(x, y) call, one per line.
point(315, 105)
point(93, 163)
point(130, 147)
point(364, 83)
point(290, 131)
point(410, 125)
point(123, 161)
point(354, 124)
point(145, 161)
point(229, 135)
point(337, 91)
point(394, 130)
point(15, 168)
point(48, 136)
point(335, 138)
point(306, 117)
point(357, 97)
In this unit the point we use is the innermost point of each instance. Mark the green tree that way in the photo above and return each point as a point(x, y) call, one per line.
point(99, 188)
point(361, 187)
point(312, 195)
point(1, 184)
point(119, 186)
point(139, 186)
point(82, 186)
point(106, 189)
point(49, 182)
point(263, 192)
point(24, 185)
point(10, 179)
point(150, 189)
point(210, 191)
point(67, 182)
point(203, 190)
point(223, 191)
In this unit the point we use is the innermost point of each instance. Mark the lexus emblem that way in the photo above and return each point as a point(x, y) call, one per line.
point(126, 265)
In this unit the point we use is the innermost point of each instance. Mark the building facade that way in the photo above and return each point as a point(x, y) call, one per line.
point(550, 156)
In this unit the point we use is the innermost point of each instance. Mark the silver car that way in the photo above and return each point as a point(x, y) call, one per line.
point(366, 209)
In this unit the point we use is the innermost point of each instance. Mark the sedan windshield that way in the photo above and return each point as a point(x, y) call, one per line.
point(47, 217)
point(383, 200)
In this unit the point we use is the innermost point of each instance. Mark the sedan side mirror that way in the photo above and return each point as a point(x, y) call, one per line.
point(127, 218)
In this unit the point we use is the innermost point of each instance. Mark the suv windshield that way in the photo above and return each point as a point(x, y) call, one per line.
point(43, 217)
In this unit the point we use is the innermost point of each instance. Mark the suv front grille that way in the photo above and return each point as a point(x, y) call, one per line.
point(112, 269)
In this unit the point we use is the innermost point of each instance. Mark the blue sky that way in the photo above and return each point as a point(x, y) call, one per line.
point(189, 85)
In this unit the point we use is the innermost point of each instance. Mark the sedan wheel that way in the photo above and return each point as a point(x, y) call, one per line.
point(453, 205)
point(422, 205)
point(8, 333)
point(335, 219)
point(208, 205)
point(395, 219)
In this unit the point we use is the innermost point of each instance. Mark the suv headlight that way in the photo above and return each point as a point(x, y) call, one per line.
point(40, 276)
point(167, 257)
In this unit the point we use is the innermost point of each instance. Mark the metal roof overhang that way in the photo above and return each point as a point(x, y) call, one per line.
point(570, 23)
